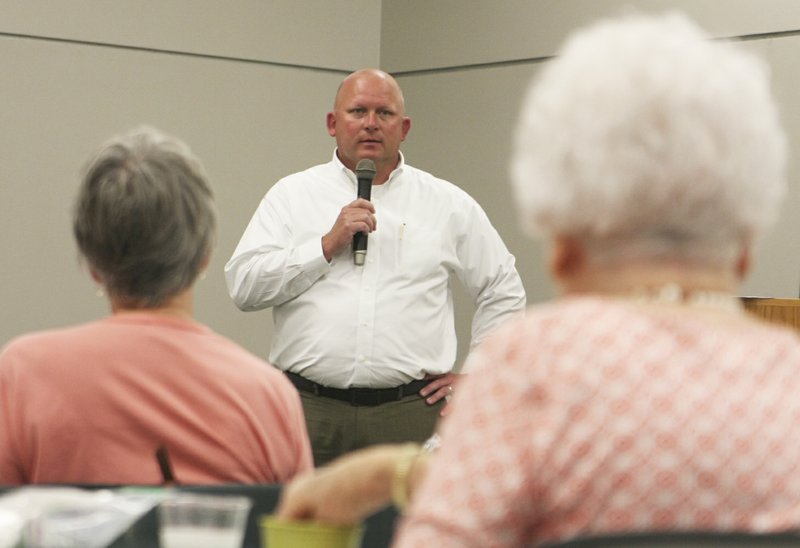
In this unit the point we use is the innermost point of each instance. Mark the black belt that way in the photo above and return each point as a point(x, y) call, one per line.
point(357, 396)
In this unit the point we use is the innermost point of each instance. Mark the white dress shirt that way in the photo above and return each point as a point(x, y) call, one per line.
point(389, 321)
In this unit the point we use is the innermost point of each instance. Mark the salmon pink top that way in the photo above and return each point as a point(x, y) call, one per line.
point(92, 403)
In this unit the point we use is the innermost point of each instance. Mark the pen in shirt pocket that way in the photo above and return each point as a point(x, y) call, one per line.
point(401, 232)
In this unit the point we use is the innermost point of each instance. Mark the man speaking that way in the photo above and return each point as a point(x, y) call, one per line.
point(371, 347)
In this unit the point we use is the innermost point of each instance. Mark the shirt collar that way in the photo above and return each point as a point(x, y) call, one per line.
point(352, 176)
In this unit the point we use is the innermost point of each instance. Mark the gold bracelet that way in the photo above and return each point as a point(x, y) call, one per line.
point(402, 466)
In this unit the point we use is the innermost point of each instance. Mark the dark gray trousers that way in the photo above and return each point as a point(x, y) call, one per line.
point(336, 427)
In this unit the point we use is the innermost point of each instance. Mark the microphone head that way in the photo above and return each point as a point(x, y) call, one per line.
point(365, 169)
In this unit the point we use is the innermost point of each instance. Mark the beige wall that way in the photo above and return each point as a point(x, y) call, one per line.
point(247, 85)
point(454, 33)
point(306, 33)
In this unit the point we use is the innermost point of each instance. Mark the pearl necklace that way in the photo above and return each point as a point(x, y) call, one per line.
point(672, 293)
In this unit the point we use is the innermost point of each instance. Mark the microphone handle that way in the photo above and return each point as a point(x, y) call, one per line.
point(360, 238)
point(359, 248)
point(365, 187)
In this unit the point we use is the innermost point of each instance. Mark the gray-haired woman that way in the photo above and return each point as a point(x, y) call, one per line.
point(94, 402)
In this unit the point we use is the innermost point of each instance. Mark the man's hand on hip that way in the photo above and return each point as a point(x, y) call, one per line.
point(441, 386)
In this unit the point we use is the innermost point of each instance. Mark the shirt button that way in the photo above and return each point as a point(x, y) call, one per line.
point(362, 357)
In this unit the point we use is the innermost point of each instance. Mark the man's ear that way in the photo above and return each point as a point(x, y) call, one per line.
point(330, 123)
point(406, 127)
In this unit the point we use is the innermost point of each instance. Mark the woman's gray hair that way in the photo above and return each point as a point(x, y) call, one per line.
point(645, 139)
point(144, 218)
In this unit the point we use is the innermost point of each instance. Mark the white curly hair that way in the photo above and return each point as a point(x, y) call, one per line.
point(646, 139)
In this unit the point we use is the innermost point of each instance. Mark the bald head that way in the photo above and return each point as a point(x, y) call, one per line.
point(374, 79)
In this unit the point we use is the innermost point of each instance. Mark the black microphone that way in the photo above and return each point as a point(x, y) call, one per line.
point(365, 173)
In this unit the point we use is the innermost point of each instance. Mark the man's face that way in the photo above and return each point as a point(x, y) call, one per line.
point(368, 120)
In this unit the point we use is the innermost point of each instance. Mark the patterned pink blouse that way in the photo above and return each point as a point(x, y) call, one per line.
point(592, 416)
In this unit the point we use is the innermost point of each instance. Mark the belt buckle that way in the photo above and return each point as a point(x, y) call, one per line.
point(365, 397)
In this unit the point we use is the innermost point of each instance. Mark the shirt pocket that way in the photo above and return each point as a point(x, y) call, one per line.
point(419, 250)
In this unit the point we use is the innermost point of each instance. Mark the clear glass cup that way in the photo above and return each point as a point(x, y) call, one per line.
point(191, 520)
